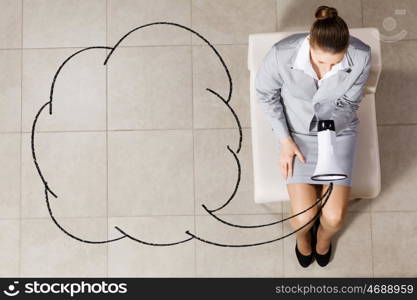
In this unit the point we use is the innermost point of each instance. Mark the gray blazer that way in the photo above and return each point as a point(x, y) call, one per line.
point(291, 99)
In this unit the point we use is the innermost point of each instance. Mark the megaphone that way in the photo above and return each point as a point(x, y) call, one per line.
point(327, 167)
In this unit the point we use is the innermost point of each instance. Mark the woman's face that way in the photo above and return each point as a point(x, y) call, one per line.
point(324, 59)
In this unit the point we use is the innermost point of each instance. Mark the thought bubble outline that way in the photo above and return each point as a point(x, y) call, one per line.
point(47, 189)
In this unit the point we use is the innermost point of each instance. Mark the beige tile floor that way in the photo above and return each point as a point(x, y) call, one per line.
point(141, 144)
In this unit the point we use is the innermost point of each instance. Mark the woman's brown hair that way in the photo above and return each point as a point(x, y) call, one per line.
point(329, 32)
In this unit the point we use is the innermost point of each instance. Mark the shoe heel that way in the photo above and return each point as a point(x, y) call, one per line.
point(304, 260)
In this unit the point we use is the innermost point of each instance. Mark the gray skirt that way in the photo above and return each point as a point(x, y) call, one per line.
point(346, 142)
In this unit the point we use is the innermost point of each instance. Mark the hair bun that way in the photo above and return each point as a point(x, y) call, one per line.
point(325, 12)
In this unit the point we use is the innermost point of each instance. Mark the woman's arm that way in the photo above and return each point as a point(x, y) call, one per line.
point(268, 83)
point(348, 104)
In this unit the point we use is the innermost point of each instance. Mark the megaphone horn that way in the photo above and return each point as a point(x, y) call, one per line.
point(327, 167)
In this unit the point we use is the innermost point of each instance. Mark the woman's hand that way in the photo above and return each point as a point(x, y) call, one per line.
point(288, 149)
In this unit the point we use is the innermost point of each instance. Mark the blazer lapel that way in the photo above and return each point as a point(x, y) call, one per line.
point(302, 85)
point(330, 87)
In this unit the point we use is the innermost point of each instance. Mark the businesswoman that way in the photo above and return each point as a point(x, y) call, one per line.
point(304, 78)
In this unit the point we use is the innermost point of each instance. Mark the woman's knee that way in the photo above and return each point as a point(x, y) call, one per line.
point(303, 219)
point(303, 196)
point(333, 215)
point(333, 219)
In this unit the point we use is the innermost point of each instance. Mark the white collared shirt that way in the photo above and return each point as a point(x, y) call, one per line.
point(302, 62)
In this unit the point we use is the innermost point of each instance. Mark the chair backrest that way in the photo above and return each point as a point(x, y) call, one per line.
point(269, 186)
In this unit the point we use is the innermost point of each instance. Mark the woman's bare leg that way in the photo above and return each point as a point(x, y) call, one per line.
point(302, 196)
point(332, 216)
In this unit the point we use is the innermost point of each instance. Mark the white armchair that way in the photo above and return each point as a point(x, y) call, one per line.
point(269, 185)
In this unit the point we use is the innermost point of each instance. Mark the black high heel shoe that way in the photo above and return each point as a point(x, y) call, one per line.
point(322, 259)
point(304, 260)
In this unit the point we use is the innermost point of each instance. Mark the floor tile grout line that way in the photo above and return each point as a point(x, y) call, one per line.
point(192, 132)
point(159, 129)
point(156, 45)
point(127, 46)
point(107, 152)
point(198, 215)
point(139, 216)
point(21, 144)
point(276, 15)
point(282, 209)
point(126, 130)
point(372, 243)
point(370, 211)
point(397, 124)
